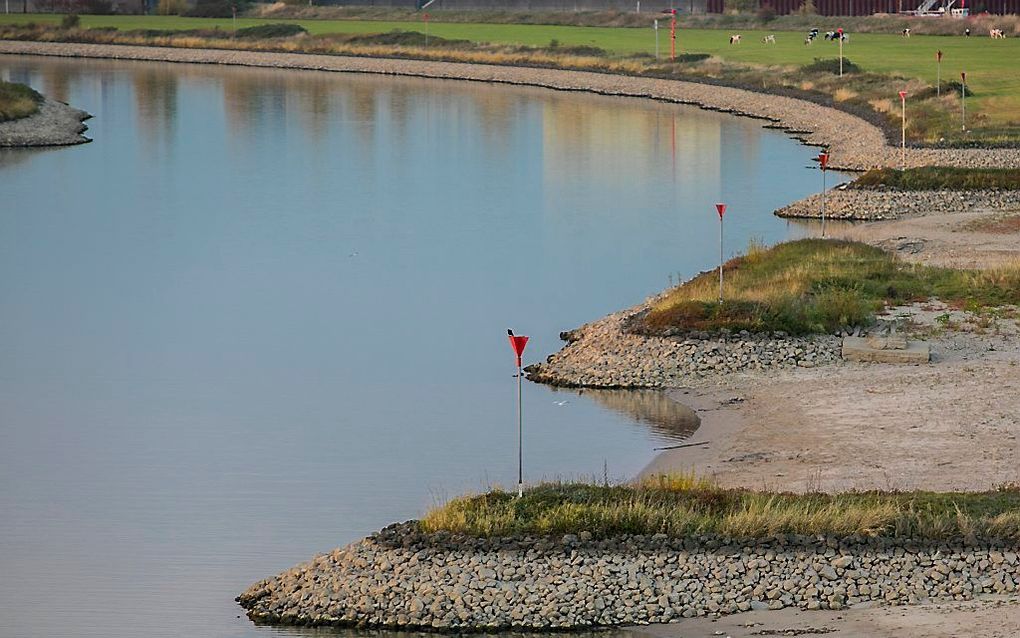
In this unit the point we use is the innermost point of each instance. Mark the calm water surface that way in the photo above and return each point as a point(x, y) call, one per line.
point(264, 313)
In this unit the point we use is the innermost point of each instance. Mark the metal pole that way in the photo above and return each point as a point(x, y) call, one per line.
point(656, 40)
point(963, 97)
point(903, 135)
point(938, 80)
point(520, 437)
point(840, 36)
point(720, 258)
point(823, 202)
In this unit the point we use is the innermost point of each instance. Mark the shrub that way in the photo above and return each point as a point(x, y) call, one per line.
point(939, 177)
point(280, 30)
point(70, 21)
point(214, 9)
point(808, 8)
point(172, 7)
point(831, 65)
point(766, 13)
point(17, 101)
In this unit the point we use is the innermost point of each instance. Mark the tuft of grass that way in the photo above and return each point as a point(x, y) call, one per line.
point(17, 101)
point(940, 178)
point(682, 506)
point(284, 30)
point(815, 286)
point(831, 65)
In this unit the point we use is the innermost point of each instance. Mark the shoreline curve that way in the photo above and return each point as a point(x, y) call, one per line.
point(854, 144)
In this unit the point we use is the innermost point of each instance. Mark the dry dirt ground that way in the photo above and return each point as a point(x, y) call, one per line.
point(991, 617)
point(949, 425)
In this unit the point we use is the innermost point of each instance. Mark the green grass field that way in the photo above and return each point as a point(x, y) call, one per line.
point(991, 66)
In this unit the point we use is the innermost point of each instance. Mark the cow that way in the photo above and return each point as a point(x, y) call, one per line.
point(735, 39)
point(812, 34)
point(769, 39)
point(997, 34)
point(906, 33)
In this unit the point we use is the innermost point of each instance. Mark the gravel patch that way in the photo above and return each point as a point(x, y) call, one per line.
point(603, 354)
point(55, 124)
point(874, 205)
point(401, 578)
point(854, 144)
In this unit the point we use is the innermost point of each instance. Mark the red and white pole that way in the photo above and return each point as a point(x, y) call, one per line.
point(721, 209)
point(839, 34)
point(518, 343)
point(903, 130)
point(672, 36)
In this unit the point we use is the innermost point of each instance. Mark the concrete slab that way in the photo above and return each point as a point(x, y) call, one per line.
point(859, 349)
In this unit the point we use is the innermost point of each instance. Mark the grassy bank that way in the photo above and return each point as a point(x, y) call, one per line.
point(887, 63)
point(682, 506)
point(939, 178)
point(17, 101)
point(818, 286)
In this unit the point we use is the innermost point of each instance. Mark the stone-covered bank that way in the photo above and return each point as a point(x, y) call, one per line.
point(604, 354)
point(877, 204)
point(402, 578)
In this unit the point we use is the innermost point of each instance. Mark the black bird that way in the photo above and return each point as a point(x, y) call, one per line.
point(510, 332)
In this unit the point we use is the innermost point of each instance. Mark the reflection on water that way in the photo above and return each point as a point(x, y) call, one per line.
point(653, 408)
point(264, 313)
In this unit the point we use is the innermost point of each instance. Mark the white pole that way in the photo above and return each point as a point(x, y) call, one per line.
point(840, 36)
point(720, 258)
point(823, 202)
point(938, 80)
point(963, 97)
point(903, 135)
point(520, 437)
point(656, 40)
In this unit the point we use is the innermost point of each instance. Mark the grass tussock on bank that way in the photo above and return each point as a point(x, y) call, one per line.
point(818, 286)
point(682, 506)
point(17, 101)
point(940, 178)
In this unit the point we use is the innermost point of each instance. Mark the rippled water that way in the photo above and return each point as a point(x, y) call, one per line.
point(264, 313)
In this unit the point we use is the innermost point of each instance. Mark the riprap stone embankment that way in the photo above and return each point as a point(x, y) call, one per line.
point(402, 578)
point(603, 354)
point(875, 204)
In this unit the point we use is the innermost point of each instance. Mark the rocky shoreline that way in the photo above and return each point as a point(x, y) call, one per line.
point(604, 354)
point(55, 124)
point(874, 205)
point(853, 143)
point(401, 578)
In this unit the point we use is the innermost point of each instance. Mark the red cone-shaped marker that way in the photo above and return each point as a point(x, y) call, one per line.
point(721, 208)
point(518, 343)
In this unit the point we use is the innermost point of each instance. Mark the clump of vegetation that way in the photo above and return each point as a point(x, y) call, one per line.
point(940, 178)
point(17, 101)
point(70, 21)
point(831, 65)
point(681, 506)
point(215, 9)
point(815, 286)
point(282, 30)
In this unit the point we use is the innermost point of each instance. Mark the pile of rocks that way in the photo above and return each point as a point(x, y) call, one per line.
point(401, 578)
point(603, 354)
point(865, 204)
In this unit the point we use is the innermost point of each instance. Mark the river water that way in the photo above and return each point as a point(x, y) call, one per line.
point(264, 313)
